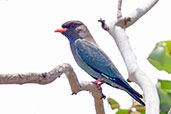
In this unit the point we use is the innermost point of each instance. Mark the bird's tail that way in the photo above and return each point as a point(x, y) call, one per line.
point(127, 88)
point(134, 94)
point(137, 98)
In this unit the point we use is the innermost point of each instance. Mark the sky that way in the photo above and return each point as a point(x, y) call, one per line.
point(28, 44)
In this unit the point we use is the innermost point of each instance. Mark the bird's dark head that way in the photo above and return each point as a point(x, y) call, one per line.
point(74, 30)
point(72, 25)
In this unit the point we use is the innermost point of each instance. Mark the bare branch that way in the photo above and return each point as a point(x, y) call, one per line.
point(119, 13)
point(117, 31)
point(137, 13)
point(97, 94)
point(135, 73)
point(48, 77)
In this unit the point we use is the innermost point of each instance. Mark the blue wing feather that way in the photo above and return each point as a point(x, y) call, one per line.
point(99, 62)
point(96, 58)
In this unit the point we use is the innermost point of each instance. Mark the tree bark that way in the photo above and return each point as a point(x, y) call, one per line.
point(117, 30)
point(48, 77)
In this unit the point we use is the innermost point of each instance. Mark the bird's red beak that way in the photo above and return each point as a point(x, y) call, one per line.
point(61, 30)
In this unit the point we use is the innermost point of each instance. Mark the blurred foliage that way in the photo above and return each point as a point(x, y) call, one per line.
point(140, 109)
point(114, 104)
point(160, 57)
point(123, 111)
point(164, 91)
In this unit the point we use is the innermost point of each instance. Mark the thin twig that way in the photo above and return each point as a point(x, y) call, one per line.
point(103, 24)
point(119, 13)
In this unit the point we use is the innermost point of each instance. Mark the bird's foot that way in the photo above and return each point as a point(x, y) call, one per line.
point(99, 83)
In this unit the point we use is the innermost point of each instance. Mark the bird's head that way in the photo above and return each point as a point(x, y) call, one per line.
point(74, 30)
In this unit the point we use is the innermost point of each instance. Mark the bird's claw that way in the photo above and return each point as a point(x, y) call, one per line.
point(99, 83)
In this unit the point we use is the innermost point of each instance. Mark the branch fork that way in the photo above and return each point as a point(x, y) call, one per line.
point(48, 77)
point(117, 30)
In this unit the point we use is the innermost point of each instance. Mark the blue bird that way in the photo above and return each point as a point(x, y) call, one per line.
point(93, 60)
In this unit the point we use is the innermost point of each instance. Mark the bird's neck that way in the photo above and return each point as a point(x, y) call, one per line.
point(71, 40)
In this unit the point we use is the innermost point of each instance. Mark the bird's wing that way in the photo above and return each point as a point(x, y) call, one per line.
point(96, 59)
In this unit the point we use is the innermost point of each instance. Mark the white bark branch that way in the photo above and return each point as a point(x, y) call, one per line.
point(137, 13)
point(135, 73)
point(169, 111)
point(119, 13)
point(117, 31)
point(48, 77)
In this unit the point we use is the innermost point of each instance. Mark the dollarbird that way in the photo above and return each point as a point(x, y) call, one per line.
point(93, 60)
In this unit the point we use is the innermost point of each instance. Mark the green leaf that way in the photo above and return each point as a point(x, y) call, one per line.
point(122, 111)
point(164, 95)
point(112, 101)
point(160, 57)
point(162, 113)
point(136, 112)
point(114, 104)
point(141, 111)
point(165, 84)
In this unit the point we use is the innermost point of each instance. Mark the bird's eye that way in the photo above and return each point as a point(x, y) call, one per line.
point(74, 25)
point(70, 26)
